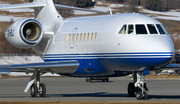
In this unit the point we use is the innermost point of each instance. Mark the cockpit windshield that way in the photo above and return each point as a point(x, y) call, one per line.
point(130, 29)
point(152, 29)
point(161, 29)
point(141, 29)
point(123, 30)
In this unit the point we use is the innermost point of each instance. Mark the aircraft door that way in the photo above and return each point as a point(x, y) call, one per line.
point(73, 37)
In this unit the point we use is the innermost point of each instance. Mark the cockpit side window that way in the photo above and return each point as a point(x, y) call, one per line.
point(141, 29)
point(160, 28)
point(152, 29)
point(130, 29)
point(123, 30)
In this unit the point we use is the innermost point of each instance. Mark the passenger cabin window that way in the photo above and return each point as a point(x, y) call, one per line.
point(76, 36)
point(123, 30)
point(141, 29)
point(152, 29)
point(72, 38)
point(91, 36)
point(87, 38)
point(80, 37)
point(65, 37)
point(161, 29)
point(68, 37)
point(130, 29)
point(95, 36)
point(84, 36)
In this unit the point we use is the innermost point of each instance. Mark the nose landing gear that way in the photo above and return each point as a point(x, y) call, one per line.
point(138, 87)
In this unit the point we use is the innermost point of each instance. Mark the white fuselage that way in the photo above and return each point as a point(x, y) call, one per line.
point(98, 38)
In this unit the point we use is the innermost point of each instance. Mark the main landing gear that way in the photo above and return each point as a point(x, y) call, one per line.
point(139, 86)
point(35, 86)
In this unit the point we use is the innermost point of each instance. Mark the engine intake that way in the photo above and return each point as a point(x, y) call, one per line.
point(24, 33)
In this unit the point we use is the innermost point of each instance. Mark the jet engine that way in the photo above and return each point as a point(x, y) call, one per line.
point(24, 33)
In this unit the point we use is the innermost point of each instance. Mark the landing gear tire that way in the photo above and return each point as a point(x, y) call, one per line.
point(107, 80)
point(131, 89)
point(34, 90)
point(139, 95)
point(145, 95)
point(42, 90)
point(90, 80)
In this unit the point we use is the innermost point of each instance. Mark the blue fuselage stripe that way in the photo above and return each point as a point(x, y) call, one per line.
point(102, 54)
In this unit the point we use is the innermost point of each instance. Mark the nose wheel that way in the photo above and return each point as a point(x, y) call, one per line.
point(138, 87)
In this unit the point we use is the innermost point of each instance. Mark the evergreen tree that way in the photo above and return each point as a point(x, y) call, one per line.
point(159, 7)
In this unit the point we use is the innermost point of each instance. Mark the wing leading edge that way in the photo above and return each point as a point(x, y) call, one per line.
point(76, 8)
point(54, 67)
point(24, 5)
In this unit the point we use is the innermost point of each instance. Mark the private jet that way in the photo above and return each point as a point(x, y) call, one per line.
point(89, 46)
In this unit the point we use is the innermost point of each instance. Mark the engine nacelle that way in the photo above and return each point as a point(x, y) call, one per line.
point(24, 33)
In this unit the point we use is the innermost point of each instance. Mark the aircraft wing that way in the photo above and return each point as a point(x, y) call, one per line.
point(54, 67)
point(172, 67)
point(24, 5)
point(76, 8)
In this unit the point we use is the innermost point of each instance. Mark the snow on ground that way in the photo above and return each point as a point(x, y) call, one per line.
point(7, 60)
point(169, 15)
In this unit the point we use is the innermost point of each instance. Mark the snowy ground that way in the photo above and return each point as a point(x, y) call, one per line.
point(170, 15)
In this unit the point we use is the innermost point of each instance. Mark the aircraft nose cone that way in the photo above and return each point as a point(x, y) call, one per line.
point(166, 47)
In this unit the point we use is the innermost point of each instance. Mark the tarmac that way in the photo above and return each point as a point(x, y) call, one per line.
point(76, 89)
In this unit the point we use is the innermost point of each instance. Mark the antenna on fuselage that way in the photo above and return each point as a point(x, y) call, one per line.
point(110, 10)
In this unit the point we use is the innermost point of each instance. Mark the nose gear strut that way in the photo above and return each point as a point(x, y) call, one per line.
point(139, 86)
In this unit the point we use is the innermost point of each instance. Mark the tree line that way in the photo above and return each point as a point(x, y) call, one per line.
point(76, 3)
